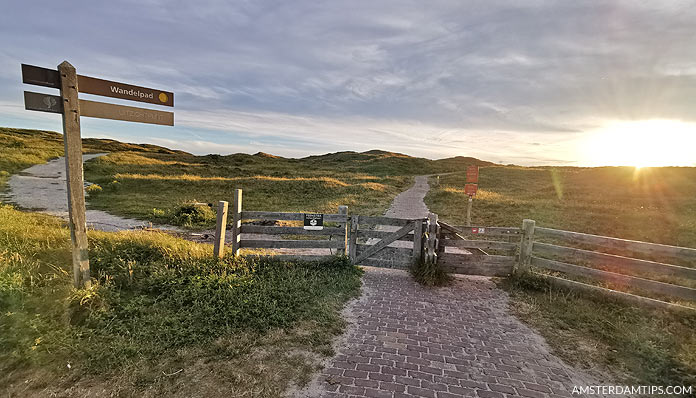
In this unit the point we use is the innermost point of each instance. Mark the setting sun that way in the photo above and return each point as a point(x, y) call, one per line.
point(648, 143)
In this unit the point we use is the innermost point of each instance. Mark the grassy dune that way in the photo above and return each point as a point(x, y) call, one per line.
point(653, 204)
point(164, 318)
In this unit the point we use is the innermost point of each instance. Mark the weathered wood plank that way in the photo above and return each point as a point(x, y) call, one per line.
point(291, 244)
point(417, 241)
point(371, 233)
point(353, 238)
point(468, 264)
point(398, 222)
point(640, 300)
point(236, 221)
point(620, 279)
point(220, 229)
point(262, 229)
point(622, 245)
point(293, 257)
point(384, 242)
point(343, 210)
point(74, 175)
point(479, 244)
point(617, 263)
point(492, 231)
point(268, 215)
point(387, 251)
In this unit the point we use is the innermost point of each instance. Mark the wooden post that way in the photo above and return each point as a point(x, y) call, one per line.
point(417, 241)
point(526, 243)
point(468, 211)
point(220, 229)
point(74, 175)
point(236, 221)
point(353, 238)
point(432, 238)
point(343, 210)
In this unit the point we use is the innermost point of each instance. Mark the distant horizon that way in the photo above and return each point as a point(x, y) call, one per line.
point(344, 151)
point(571, 83)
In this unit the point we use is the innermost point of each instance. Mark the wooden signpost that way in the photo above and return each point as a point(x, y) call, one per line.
point(70, 84)
point(470, 188)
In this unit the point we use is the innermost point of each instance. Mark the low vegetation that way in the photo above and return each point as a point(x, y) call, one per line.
point(650, 204)
point(430, 274)
point(164, 318)
point(637, 345)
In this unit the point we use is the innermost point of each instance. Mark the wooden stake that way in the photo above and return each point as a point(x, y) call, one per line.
point(220, 228)
point(74, 175)
point(343, 210)
point(468, 211)
point(417, 241)
point(353, 242)
point(236, 222)
point(526, 244)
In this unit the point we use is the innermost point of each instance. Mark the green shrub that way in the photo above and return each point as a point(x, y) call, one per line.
point(190, 215)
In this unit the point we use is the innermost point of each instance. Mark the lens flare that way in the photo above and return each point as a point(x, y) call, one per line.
point(647, 143)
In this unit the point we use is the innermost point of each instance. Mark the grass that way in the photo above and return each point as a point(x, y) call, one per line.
point(164, 318)
point(429, 274)
point(651, 204)
point(638, 346)
point(155, 186)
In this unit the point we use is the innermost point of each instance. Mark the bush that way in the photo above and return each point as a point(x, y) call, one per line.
point(429, 274)
point(191, 215)
point(93, 190)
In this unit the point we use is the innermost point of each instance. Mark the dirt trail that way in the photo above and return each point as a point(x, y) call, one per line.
point(42, 188)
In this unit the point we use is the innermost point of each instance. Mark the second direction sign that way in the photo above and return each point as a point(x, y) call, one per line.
point(127, 113)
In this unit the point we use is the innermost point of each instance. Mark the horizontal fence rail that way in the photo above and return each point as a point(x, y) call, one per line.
point(616, 270)
point(267, 215)
point(469, 264)
point(259, 229)
point(617, 244)
point(625, 264)
point(652, 286)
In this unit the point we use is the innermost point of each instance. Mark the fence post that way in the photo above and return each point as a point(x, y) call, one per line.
point(236, 221)
point(417, 241)
point(353, 239)
point(526, 243)
point(432, 238)
point(344, 211)
point(220, 228)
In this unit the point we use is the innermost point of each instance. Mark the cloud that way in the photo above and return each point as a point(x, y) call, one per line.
point(362, 74)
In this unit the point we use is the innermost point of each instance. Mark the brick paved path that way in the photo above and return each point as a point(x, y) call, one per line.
point(410, 341)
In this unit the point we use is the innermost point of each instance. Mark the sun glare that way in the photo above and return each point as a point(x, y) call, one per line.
point(648, 143)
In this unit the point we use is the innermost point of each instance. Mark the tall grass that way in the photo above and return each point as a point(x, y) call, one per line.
point(154, 296)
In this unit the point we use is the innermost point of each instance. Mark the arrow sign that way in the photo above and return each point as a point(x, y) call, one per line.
point(91, 85)
point(103, 110)
point(42, 102)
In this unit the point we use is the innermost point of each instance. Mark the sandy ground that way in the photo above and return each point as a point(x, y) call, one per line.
point(42, 188)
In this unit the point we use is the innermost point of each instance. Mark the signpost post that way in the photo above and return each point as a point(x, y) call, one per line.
point(470, 188)
point(70, 84)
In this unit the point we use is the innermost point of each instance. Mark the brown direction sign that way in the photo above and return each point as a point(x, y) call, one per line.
point(470, 189)
point(42, 102)
point(472, 174)
point(103, 110)
point(91, 85)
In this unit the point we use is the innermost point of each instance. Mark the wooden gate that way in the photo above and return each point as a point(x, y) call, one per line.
point(385, 242)
point(488, 251)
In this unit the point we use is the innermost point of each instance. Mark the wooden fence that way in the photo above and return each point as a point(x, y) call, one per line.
point(615, 266)
point(489, 251)
point(386, 242)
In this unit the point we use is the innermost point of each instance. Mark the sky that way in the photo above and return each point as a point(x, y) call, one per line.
point(525, 82)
